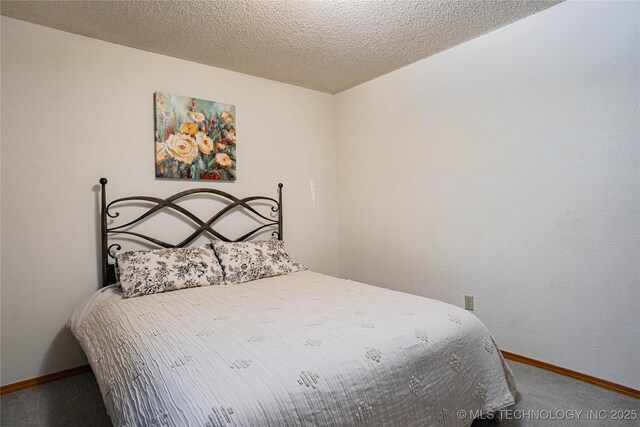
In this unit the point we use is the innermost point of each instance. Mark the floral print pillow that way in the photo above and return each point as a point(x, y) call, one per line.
point(162, 270)
point(245, 261)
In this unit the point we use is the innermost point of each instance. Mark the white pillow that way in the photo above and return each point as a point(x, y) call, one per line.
point(245, 261)
point(162, 270)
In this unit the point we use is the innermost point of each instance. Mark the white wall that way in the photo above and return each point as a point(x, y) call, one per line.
point(75, 109)
point(507, 168)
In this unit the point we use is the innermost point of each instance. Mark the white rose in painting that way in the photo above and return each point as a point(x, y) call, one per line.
point(227, 117)
point(182, 148)
point(231, 136)
point(161, 152)
point(223, 159)
point(197, 117)
point(205, 144)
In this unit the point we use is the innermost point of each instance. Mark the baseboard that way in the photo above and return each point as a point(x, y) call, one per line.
point(573, 374)
point(10, 388)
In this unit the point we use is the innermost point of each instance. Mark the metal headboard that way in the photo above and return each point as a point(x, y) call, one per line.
point(108, 270)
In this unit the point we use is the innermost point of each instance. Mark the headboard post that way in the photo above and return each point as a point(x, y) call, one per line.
point(280, 185)
point(103, 233)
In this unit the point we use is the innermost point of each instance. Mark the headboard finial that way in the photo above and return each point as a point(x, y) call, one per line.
point(103, 181)
point(280, 185)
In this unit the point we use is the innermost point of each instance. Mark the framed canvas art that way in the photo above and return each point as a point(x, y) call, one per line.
point(195, 138)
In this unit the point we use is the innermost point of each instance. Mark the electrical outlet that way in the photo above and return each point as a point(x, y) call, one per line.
point(468, 302)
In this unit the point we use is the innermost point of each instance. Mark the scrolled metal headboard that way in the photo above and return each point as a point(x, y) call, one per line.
point(108, 270)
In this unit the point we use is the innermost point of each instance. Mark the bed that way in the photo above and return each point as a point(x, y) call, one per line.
point(290, 350)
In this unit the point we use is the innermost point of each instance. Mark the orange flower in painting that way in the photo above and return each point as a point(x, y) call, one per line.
point(223, 159)
point(189, 128)
point(220, 146)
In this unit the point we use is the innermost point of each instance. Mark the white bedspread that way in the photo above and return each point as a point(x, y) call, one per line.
point(302, 349)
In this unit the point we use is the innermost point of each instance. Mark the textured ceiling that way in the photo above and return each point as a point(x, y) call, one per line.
point(327, 45)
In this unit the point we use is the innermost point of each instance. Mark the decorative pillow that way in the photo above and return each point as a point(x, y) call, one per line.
point(245, 261)
point(163, 270)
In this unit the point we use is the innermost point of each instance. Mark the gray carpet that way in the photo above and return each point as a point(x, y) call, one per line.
point(76, 401)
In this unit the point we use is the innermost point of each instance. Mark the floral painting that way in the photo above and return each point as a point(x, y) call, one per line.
point(195, 138)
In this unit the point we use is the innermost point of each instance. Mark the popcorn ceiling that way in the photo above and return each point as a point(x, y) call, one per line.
point(329, 45)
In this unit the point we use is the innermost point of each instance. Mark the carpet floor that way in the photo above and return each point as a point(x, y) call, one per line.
point(76, 401)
